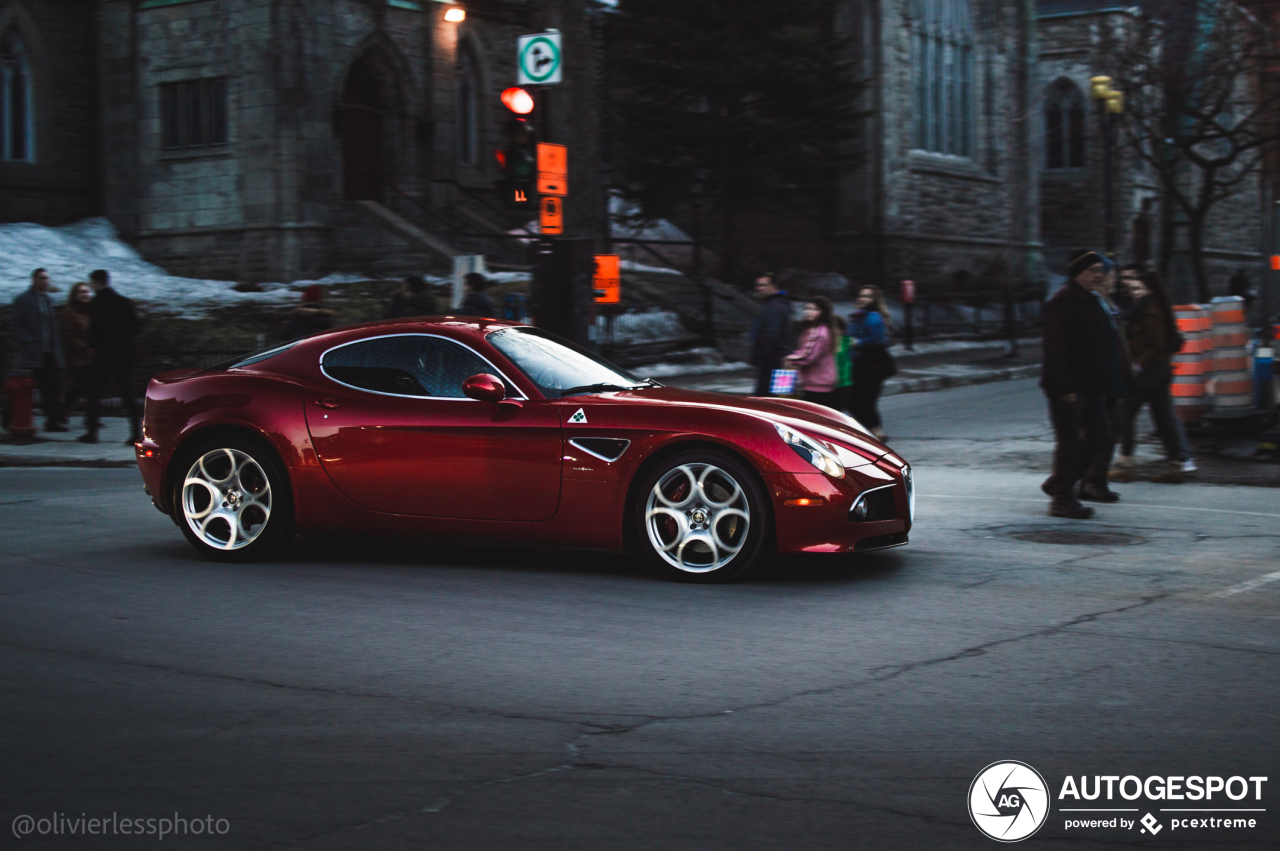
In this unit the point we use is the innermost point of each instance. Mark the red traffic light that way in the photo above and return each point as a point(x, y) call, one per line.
point(518, 100)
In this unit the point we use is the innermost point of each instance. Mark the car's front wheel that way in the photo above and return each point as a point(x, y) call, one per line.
point(233, 501)
point(701, 517)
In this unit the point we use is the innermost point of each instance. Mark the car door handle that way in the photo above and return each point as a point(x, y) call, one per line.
point(328, 403)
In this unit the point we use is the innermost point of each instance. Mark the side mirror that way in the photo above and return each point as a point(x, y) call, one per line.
point(484, 387)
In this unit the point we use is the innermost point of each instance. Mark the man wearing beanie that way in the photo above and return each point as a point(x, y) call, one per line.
point(1074, 378)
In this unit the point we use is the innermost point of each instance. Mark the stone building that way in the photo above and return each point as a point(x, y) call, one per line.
point(238, 134)
point(48, 153)
point(948, 196)
point(1075, 37)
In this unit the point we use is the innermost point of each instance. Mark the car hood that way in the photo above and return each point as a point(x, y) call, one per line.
point(815, 420)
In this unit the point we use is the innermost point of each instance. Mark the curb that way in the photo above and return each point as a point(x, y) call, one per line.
point(893, 387)
point(90, 463)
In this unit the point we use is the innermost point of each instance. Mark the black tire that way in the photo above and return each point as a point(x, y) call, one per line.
point(255, 491)
point(700, 537)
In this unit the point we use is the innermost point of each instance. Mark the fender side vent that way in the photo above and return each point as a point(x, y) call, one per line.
point(605, 448)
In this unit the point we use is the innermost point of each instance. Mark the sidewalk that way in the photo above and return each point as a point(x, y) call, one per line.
point(63, 450)
point(934, 367)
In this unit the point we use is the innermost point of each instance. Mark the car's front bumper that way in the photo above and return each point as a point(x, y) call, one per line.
point(804, 524)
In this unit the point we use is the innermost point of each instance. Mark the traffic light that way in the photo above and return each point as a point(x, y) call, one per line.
point(519, 160)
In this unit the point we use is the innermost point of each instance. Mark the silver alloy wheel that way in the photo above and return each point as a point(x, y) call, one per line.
point(697, 517)
point(226, 499)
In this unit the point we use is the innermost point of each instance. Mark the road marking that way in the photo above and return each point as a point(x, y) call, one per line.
point(1134, 504)
point(1257, 582)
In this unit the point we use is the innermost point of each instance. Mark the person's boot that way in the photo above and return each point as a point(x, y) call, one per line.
point(1172, 474)
point(54, 425)
point(1121, 470)
point(90, 436)
point(1069, 506)
point(1098, 492)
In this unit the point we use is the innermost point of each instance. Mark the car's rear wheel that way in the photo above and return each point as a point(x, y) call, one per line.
point(701, 517)
point(232, 501)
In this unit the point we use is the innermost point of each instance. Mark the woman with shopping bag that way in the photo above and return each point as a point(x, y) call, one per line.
point(815, 358)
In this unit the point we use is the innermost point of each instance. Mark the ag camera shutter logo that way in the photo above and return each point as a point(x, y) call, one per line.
point(1008, 801)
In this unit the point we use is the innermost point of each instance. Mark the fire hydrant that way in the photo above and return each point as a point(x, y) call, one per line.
point(18, 389)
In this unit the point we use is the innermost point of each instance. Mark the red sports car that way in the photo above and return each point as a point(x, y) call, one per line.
point(462, 428)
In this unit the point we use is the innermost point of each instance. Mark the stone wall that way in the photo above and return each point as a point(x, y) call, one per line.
point(937, 218)
point(265, 205)
point(62, 184)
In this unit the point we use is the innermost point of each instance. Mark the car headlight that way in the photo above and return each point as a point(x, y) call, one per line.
point(811, 451)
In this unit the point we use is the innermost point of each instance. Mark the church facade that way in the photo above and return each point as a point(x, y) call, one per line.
point(231, 138)
point(948, 195)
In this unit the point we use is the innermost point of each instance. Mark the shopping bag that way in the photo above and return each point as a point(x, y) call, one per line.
point(782, 382)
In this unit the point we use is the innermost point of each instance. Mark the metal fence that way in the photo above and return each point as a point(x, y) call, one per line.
point(948, 314)
point(150, 363)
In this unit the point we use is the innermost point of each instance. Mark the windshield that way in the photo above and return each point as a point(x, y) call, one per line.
point(559, 368)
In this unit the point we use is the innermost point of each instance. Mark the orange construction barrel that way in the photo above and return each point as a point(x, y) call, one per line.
point(1231, 388)
point(1192, 364)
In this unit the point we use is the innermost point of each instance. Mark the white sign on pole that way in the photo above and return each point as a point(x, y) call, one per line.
point(539, 59)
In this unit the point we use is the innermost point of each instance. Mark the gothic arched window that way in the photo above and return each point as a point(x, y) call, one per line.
point(17, 133)
point(1063, 125)
point(943, 69)
point(468, 107)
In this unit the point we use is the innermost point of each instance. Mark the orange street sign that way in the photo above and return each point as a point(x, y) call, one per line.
point(553, 169)
point(551, 216)
point(608, 279)
point(1275, 262)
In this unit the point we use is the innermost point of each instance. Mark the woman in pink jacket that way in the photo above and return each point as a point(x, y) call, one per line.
point(815, 359)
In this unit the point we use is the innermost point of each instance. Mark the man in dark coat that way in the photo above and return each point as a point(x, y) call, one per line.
point(412, 299)
point(35, 329)
point(113, 329)
point(474, 300)
point(771, 333)
point(1075, 378)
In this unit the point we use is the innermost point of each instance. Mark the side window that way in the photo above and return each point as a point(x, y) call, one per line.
point(406, 365)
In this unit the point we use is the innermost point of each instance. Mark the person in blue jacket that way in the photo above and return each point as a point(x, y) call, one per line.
point(869, 327)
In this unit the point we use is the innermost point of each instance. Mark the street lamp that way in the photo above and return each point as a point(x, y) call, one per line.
point(455, 14)
point(1112, 103)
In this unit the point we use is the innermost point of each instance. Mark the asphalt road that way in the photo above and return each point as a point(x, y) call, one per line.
point(413, 695)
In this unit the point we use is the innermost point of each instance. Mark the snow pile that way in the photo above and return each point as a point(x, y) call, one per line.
point(650, 327)
point(71, 252)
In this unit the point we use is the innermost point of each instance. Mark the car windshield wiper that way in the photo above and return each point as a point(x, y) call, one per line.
point(592, 388)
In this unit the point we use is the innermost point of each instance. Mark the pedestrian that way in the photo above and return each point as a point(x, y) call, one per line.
point(474, 300)
point(770, 333)
point(1121, 297)
point(74, 322)
point(815, 357)
point(869, 327)
point(309, 317)
point(1240, 285)
point(34, 326)
point(1152, 332)
point(1119, 380)
point(1073, 376)
point(844, 364)
point(113, 332)
point(412, 299)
